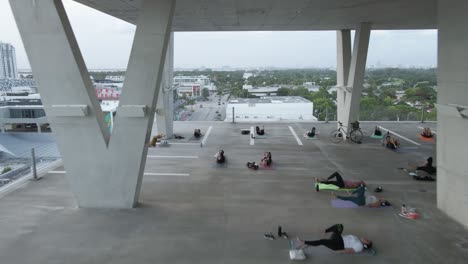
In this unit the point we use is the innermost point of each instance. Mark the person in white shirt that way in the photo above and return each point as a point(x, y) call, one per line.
point(338, 242)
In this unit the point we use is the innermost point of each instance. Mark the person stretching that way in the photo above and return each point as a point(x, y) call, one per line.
point(391, 142)
point(339, 242)
point(197, 133)
point(220, 157)
point(339, 182)
point(427, 133)
point(311, 133)
point(428, 167)
point(252, 165)
point(364, 200)
point(266, 160)
point(259, 131)
point(377, 131)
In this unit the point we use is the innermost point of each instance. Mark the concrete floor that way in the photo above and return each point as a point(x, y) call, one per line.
point(205, 214)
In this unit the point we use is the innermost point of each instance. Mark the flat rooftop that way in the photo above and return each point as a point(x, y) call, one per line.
point(270, 100)
point(193, 212)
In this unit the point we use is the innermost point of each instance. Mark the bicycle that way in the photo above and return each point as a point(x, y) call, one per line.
point(336, 136)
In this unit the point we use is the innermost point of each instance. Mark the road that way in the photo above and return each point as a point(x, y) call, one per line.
point(209, 110)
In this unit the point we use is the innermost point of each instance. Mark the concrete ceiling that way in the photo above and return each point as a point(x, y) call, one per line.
point(258, 15)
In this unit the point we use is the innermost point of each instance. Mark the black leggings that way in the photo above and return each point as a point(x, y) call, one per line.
point(335, 242)
point(339, 180)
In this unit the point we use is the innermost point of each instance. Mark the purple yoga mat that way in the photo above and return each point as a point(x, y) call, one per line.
point(337, 203)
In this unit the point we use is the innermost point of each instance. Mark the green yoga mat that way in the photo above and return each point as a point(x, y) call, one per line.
point(377, 137)
point(323, 186)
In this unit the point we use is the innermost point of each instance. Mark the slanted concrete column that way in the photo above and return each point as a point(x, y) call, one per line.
point(103, 170)
point(351, 92)
point(343, 56)
point(165, 106)
point(452, 116)
point(39, 130)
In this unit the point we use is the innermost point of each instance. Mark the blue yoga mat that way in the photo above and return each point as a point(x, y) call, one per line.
point(377, 137)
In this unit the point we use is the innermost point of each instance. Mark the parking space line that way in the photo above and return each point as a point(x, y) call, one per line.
point(433, 131)
point(299, 142)
point(206, 135)
point(400, 136)
point(146, 173)
point(166, 174)
point(252, 136)
point(172, 157)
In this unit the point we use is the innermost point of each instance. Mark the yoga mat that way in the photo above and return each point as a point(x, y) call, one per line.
point(260, 137)
point(219, 165)
point(337, 203)
point(323, 186)
point(403, 149)
point(193, 138)
point(377, 137)
point(324, 251)
point(426, 139)
point(265, 167)
point(311, 138)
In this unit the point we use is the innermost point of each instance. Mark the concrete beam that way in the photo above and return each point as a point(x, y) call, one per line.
point(103, 171)
point(343, 56)
point(350, 107)
point(452, 92)
point(165, 106)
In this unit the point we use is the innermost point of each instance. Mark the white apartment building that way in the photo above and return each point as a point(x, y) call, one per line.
point(8, 68)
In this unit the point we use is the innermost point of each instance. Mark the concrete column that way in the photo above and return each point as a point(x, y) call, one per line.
point(355, 80)
point(39, 130)
point(103, 171)
point(343, 56)
point(452, 116)
point(165, 106)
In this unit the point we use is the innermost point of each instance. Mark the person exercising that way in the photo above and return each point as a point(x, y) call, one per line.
point(339, 242)
point(311, 133)
point(259, 131)
point(339, 182)
point(220, 158)
point(266, 160)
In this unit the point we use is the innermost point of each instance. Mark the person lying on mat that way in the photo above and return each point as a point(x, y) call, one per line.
point(377, 131)
point(339, 242)
point(220, 157)
point(266, 160)
point(391, 142)
point(427, 167)
point(197, 133)
point(259, 131)
point(339, 182)
point(427, 133)
point(364, 200)
point(252, 165)
point(311, 133)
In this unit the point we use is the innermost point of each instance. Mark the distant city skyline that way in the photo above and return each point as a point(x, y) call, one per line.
point(107, 45)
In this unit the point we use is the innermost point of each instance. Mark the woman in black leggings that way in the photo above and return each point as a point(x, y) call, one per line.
point(338, 242)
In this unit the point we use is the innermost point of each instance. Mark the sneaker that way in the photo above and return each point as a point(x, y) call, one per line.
point(317, 189)
point(269, 236)
point(284, 235)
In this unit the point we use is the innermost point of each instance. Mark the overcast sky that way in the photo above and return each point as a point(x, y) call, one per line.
point(106, 41)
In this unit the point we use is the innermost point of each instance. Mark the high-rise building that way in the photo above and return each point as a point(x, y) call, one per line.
point(7, 61)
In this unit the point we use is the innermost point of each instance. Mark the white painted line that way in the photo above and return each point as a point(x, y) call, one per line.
point(206, 135)
point(433, 131)
point(299, 142)
point(180, 143)
point(166, 174)
point(398, 135)
point(252, 134)
point(173, 157)
point(146, 173)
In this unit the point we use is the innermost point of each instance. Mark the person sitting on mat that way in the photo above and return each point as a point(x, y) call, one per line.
point(197, 133)
point(364, 200)
point(377, 131)
point(220, 157)
point(427, 133)
point(391, 142)
point(259, 131)
point(311, 133)
point(252, 165)
point(339, 182)
point(266, 160)
point(339, 242)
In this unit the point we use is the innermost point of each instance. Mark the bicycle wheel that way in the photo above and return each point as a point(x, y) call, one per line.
point(336, 136)
point(356, 136)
